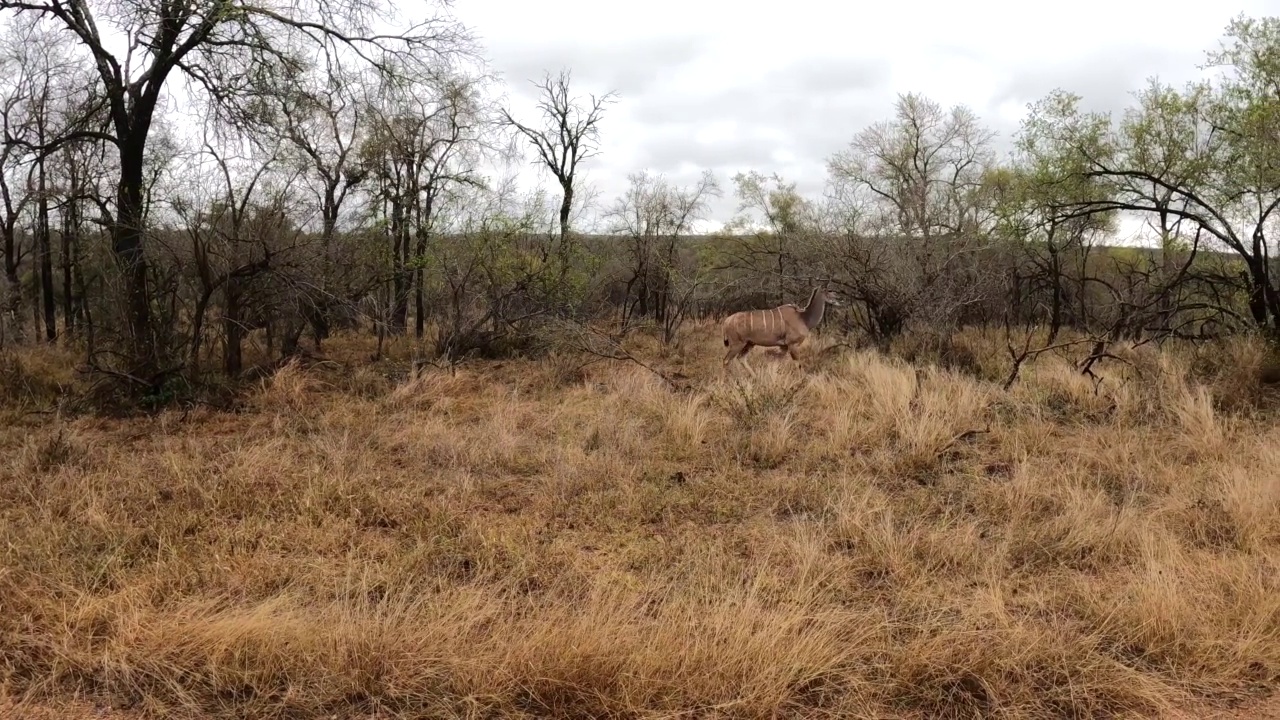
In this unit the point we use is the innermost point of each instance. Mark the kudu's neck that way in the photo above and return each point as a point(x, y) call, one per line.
point(812, 313)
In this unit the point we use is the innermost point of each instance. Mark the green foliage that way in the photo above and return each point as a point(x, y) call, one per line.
point(1048, 188)
point(769, 205)
point(1246, 106)
point(1167, 135)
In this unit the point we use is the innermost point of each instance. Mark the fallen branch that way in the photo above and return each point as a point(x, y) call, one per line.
point(590, 341)
point(155, 381)
point(1028, 354)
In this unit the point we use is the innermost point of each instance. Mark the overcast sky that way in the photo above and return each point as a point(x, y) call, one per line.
point(779, 87)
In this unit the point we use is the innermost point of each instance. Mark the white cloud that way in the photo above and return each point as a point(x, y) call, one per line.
point(778, 88)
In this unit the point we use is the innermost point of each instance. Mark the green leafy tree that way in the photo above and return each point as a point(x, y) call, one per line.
point(1031, 199)
point(1205, 155)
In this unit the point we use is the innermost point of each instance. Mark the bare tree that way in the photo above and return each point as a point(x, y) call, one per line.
point(78, 169)
point(451, 144)
point(915, 186)
point(53, 81)
point(427, 137)
point(924, 168)
point(322, 120)
point(224, 198)
point(229, 50)
point(13, 185)
point(657, 217)
point(568, 135)
point(48, 88)
point(761, 242)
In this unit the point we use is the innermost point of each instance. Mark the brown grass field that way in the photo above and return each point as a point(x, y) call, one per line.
point(866, 538)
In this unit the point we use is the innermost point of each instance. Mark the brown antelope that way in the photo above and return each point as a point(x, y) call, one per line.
point(785, 326)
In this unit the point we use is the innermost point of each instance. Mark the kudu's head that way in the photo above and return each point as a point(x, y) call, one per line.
point(827, 296)
point(816, 309)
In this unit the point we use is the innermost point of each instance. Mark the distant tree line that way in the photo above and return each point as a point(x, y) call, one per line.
point(333, 177)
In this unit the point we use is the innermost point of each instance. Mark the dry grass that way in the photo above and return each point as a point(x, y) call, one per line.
point(870, 539)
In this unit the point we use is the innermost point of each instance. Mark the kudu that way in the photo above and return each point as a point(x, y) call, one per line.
point(785, 326)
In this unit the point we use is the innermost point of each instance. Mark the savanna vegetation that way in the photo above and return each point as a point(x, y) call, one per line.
point(310, 410)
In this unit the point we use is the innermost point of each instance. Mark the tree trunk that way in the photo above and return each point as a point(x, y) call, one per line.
point(420, 250)
point(127, 245)
point(317, 316)
point(45, 244)
point(70, 240)
point(781, 274)
point(399, 274)
point(83, 310)
point(1055, 307)
point(1272, 301)
point(330, 212)
point(13, 307)
point(197, 333)
point(419, 305)
point(232, 329)
point(565, 206)
point(1264, 304)
point(642, 293)
point(1085, 321)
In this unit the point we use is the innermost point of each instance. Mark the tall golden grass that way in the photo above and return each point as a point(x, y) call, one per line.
point(871, 538)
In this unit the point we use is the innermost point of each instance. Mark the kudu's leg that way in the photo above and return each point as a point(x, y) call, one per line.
point(793, 349)
point(734, 353)
point(730, 356)
point(742, 357)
